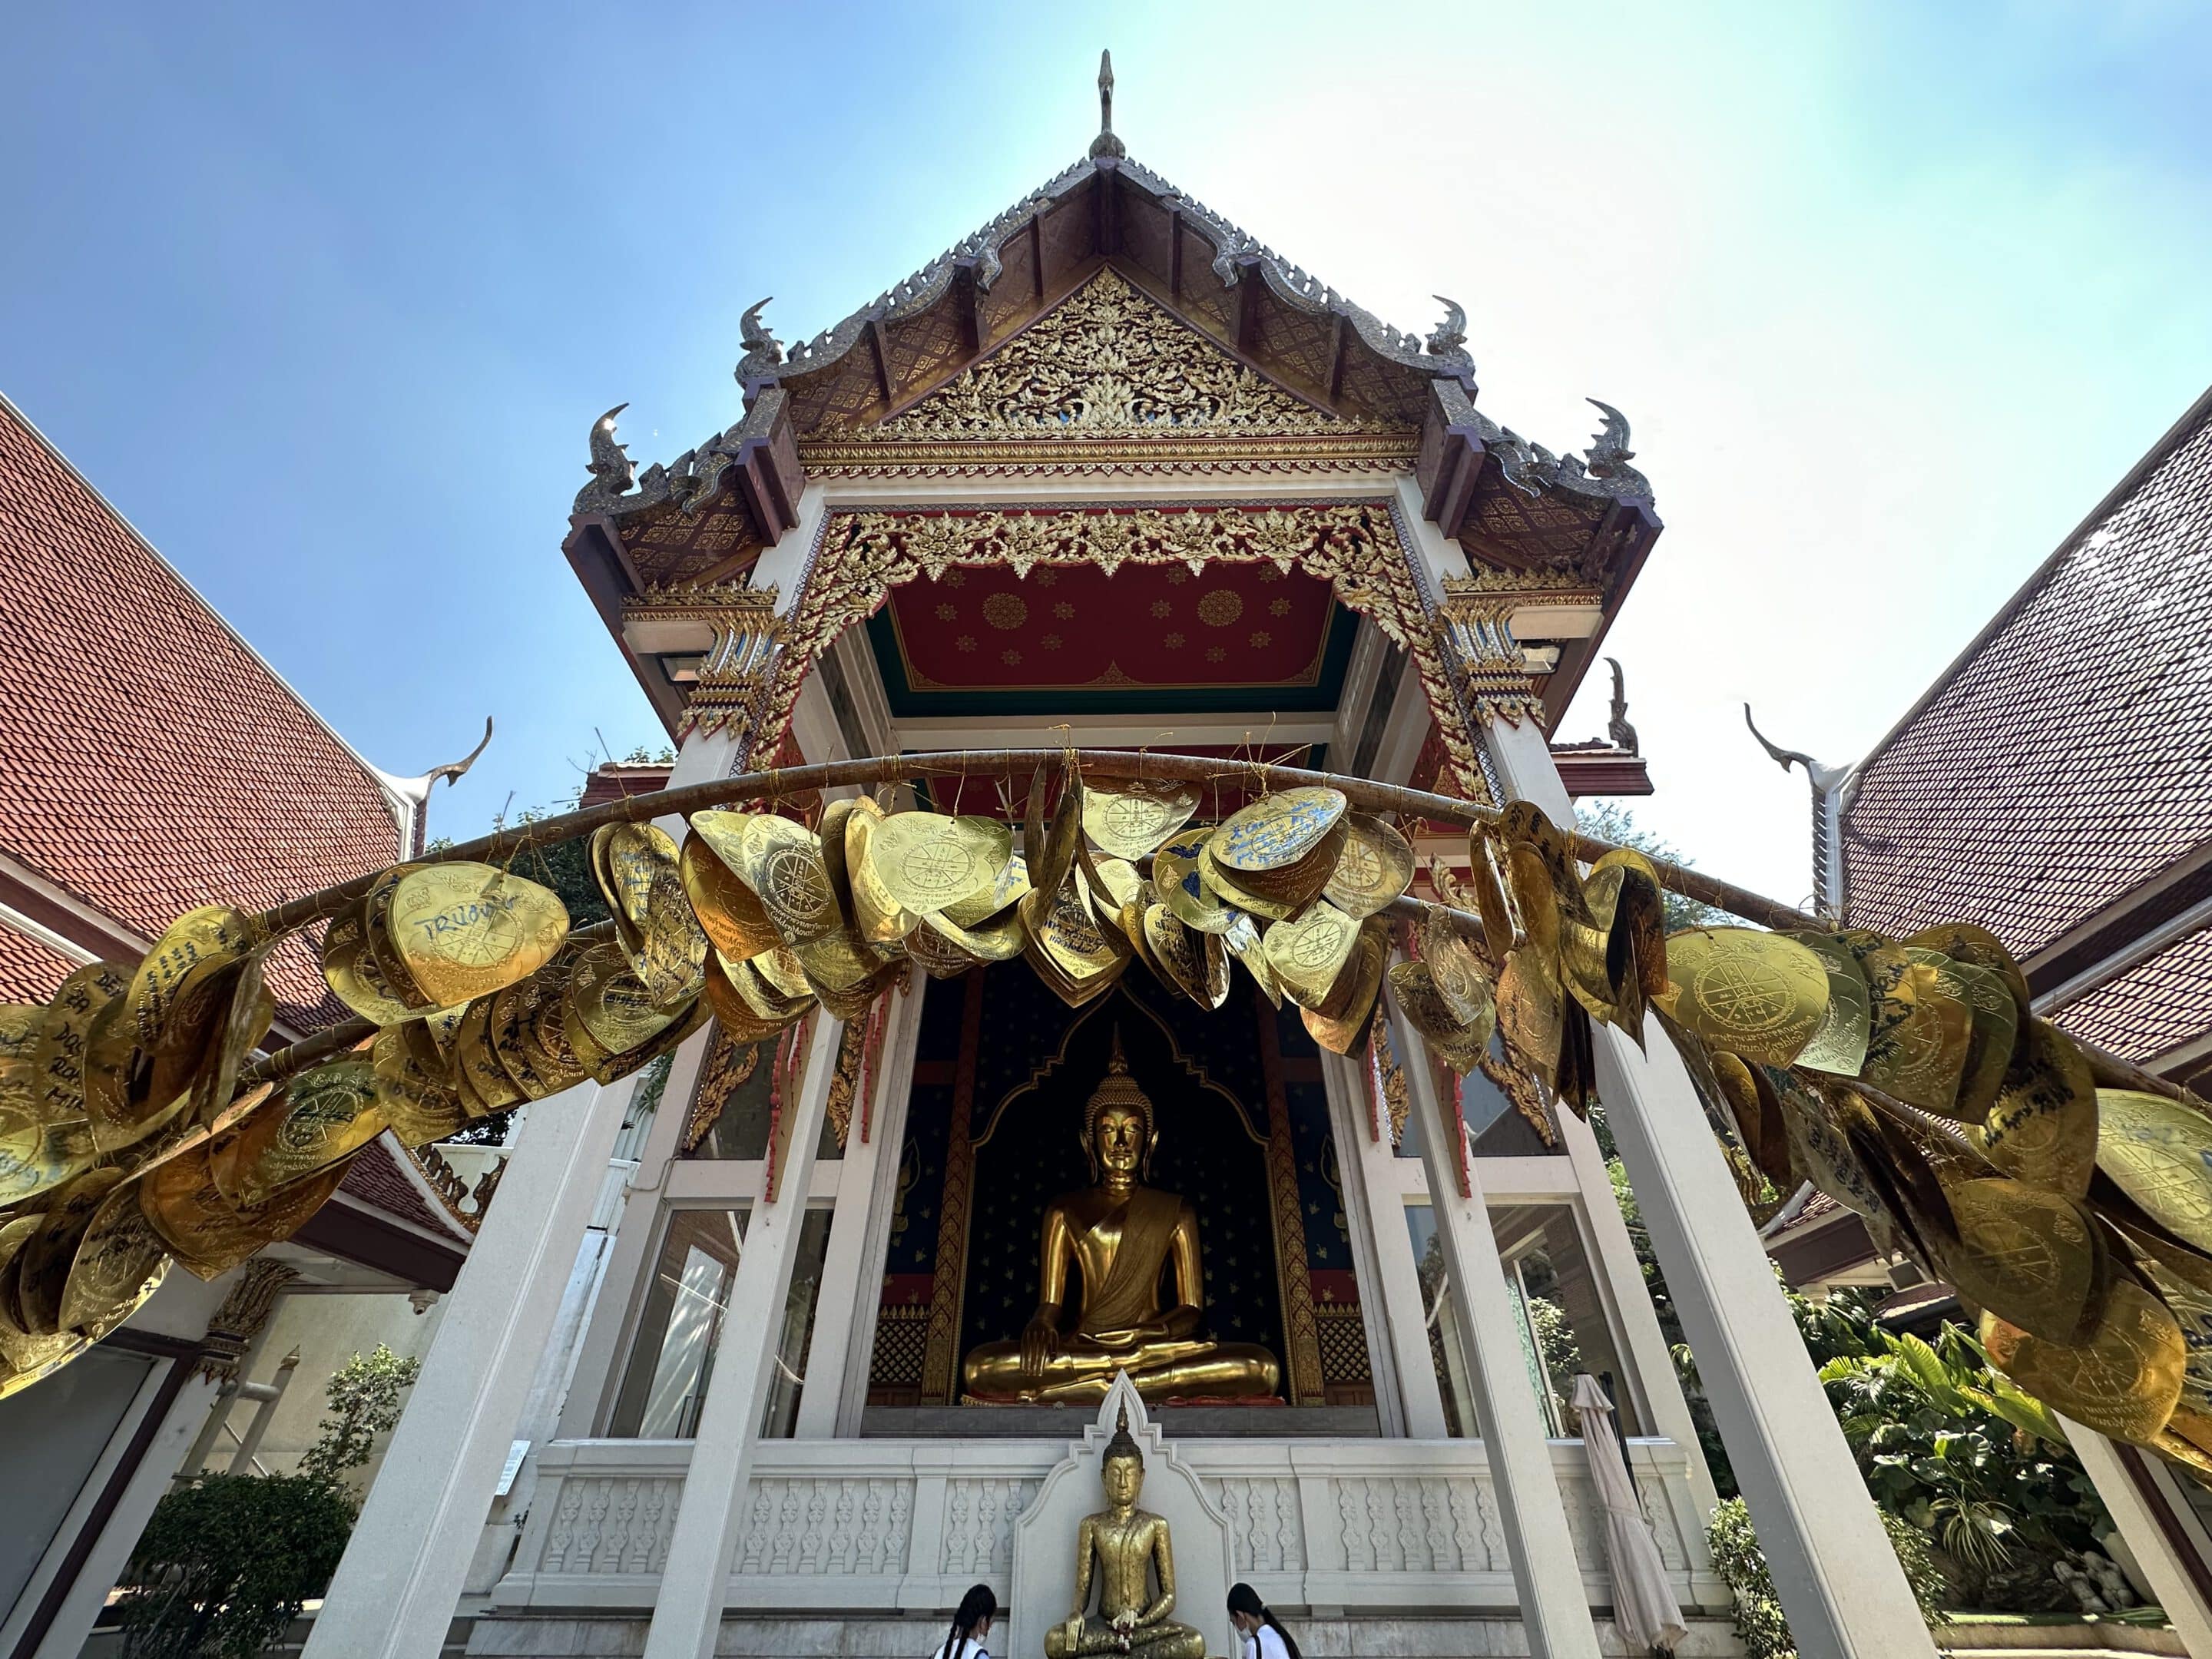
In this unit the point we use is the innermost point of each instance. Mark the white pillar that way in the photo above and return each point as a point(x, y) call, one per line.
point(2139, 1524)
point(860, 1235)
point(1390, 1279)
point(687, 1615)
point(1620, 1277)
point(396, 1589)
point(1833, 1569)
point(1547, 1577)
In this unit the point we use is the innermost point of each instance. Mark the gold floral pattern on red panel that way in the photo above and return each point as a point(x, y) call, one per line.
point(1354, 546)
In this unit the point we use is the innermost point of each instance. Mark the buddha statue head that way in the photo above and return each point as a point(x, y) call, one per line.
point(1118, 1131)
point(1121, 1470)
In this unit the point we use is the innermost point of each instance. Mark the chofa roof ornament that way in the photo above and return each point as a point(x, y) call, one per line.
point(1106, 144)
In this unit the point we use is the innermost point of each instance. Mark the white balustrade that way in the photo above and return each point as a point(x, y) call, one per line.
point(876, 1525)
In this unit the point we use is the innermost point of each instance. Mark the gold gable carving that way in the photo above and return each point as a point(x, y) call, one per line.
point(1106, 363)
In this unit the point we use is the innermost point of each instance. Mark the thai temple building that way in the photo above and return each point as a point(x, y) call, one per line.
point(1108, 473)
point(1070, 1286)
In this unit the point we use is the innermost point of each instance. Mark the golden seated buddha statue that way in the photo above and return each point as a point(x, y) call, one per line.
point(1122, 1547)
point(1119, 1236)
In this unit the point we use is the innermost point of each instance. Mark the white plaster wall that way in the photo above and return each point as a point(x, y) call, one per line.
point(329, 1330)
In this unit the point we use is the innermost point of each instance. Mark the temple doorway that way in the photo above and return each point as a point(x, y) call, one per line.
point(995, 1133)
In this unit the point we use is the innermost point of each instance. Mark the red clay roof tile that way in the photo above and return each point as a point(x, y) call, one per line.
point(2155, 1007)
point(2069, 756)
point(150, 761)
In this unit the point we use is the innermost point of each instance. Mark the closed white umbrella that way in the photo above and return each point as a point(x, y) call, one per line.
point(1643, 1605)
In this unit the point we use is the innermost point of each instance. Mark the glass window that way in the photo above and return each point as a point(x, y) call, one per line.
point(673, 1359)
point(1447, 1353)
point(1564, 1328)
point(673, 1354)
point(789, 1378)
point(1559, 1318)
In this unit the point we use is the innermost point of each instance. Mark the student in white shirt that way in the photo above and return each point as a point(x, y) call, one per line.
point(970, 1624)
point(1263, 1633)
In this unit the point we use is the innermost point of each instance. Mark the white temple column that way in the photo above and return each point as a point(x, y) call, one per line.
point(1389, 1278)
point(859, 1232)
point(1644, 1343)
point(1833, 1569)
point(404, 1567)
point(396, 1589)
point(687, 1616)
point(1547, 1577)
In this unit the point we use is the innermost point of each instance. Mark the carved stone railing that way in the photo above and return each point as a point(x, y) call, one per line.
point(867, 1525)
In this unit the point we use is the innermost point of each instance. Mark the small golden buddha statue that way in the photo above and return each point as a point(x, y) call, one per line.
point(1123, 1546)
point(1119, 1236)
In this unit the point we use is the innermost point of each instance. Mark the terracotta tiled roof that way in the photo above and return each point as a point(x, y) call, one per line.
point(150, 761)
point(2066, 756)
point(376, 1178)
point(29, 971)
point(2156, 1006)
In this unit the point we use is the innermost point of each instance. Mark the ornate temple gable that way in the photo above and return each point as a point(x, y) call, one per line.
point(1109, 361)
point(923, 381)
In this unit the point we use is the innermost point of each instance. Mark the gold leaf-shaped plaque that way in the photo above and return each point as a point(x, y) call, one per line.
point(1759, 995)
point(1246, 945)
point(48, 1252)
point(324, 1115)
point(209, 1234)
point(782, 863)
point(2157, 1149)
point(1920, 1027)
point(1459, 1043)
point(36, 1154)
point(1176, 877)
point(119, 1252)
point(1310, 951)
point(876, 913)
point(2125, 1380)
point(1129, 817)
point(2032, 1258)
point(1340, 1024)
point(351, 968)
point(1375, 866)
point(610, 1003)
point(1012, 883)
point(417, 1095)
point(1840, 1044)
point(464, 930)
point(725, 906)
point(1455, 970)
point(1278, 830)
point(1532, 1011)
point(58, 1093)
point(1228, 890)
point(667, 946)
point(2043, 1128)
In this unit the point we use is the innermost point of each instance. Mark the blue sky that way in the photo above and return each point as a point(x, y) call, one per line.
point(326, 299)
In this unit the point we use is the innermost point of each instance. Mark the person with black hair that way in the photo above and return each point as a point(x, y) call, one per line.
point(970, 1624)
point(1263, 1633)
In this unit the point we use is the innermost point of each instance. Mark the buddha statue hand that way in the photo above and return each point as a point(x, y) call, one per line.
point(1041, 1345)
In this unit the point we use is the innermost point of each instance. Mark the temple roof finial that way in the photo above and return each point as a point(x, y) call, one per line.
point(1106, 143)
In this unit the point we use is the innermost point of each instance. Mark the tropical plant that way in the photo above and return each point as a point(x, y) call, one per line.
point(364, 1402)
point(228, 1561)
point(1955, 1449)
point(1758, 1619)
